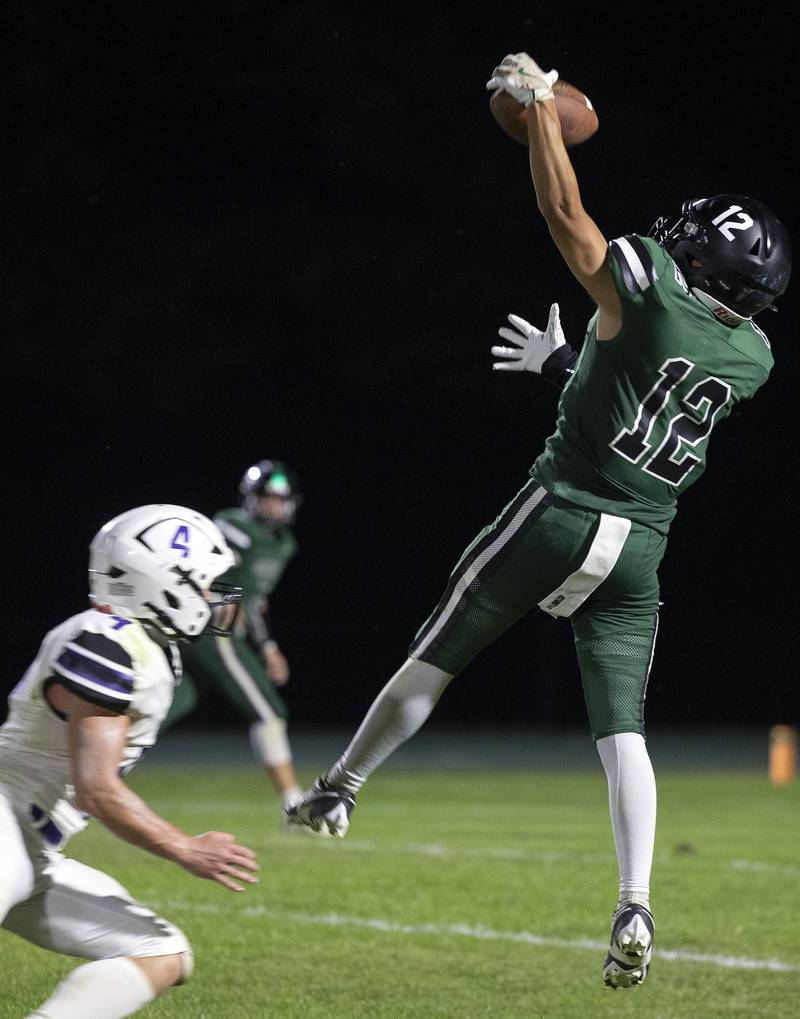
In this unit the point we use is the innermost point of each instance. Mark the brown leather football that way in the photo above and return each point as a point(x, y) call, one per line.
point(578, 118)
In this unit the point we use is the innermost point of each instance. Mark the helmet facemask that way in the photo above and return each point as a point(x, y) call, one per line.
point(222, 600)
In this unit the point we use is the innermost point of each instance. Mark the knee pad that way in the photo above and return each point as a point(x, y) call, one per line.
point(269, 741)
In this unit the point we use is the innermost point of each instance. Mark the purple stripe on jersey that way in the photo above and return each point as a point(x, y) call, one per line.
point(102, 647)
point(49, 830)
point(52, 833)
point(96, 672)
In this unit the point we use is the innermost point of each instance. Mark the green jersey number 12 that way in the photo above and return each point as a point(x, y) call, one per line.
point(672, 460)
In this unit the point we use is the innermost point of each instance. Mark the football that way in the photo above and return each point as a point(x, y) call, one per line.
point(578, 118)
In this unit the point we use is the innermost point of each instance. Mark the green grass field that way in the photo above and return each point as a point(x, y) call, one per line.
point(465, 894)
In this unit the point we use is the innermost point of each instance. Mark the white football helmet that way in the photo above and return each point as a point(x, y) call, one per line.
point(155, 562)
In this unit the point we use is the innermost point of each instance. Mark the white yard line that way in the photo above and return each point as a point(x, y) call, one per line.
point(468, 931)
point(760, 867)
point(436, 850)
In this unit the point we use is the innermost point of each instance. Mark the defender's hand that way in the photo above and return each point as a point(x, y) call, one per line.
point(533, 347)
point(217, 856)
point(277, 666)
point(521, 77)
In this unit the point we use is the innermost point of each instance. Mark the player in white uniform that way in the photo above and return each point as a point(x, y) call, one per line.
point(83, 714)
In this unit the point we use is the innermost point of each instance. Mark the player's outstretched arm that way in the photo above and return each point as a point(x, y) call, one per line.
point(97, 739)
point(577, 236)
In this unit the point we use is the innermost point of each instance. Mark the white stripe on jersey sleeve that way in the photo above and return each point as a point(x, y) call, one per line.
point(75, 677)
point(232, 533)
point(634, 262)
point(94, 673)
point(108, 662)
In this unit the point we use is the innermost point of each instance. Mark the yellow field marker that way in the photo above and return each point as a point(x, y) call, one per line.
point(782, 754)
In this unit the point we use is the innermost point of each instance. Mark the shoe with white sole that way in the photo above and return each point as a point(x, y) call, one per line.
point(631, 949)
point(323, 808)
point(291, 827)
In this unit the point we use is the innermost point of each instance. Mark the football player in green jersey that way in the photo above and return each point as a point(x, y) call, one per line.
point(669, 351)
point(246, 669)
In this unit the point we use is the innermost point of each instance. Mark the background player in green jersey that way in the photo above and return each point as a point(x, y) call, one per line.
point(669, 351)
point(246, 669)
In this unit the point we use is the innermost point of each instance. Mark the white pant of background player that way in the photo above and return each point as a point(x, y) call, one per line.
point(67, 907)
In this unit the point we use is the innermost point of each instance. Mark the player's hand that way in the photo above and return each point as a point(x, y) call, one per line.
point(277, 666)
point(521, 77)
point(533, 347)
point(216, 855)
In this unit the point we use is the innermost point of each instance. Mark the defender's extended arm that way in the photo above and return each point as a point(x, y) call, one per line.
point(97, 740)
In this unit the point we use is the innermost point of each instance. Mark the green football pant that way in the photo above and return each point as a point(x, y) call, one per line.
point(225, 668)
point(597, 569)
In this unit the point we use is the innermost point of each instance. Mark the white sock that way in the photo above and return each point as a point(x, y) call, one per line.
point(269, 741)
point(108, 989)
point(396, 714)
point(632, 802)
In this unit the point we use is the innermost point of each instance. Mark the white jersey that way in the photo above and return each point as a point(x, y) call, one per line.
point(108, 660)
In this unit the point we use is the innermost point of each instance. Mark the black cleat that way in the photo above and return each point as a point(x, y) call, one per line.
point(323, 808)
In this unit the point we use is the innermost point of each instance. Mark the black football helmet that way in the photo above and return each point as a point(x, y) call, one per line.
point(743, 249)
point(271, 477)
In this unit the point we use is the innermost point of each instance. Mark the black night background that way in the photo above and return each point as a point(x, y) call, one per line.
point(239, 230)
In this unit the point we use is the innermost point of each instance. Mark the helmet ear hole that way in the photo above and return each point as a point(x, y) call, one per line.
point(756, 246)
point(172, 601)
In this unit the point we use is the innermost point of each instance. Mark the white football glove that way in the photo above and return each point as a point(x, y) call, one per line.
point(521, 77)
point(533, 347)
